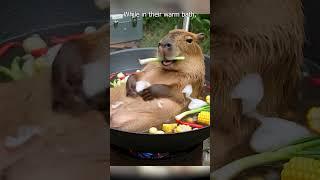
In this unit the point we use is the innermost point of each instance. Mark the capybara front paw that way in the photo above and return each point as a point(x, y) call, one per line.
point(131, 93)
point(147, 95)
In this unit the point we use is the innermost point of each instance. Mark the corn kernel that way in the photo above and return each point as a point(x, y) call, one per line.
point(313, 119)
point(300, 168)
point(168, 128)
point(182, 128)
point(204, 118)
point(208, 99)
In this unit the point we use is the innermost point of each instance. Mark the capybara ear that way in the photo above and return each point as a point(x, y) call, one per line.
point(201, 37)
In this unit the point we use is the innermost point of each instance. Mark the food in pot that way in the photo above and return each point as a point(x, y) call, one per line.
point(208, 99)
point(33, 43)
point(116, 79)
point(168, 128)
point(301, 168)
point(313, 119)
point(306, 147)
point(14, 72)
point(204, 118)
point(184, 114)
point(154, 130)
point(182, 128)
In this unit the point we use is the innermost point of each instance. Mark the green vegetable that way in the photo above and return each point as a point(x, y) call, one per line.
point(193, 111)
point(15, 72)
point(145, 61)
point(5, 71)
point(113, 83)
point(307, 147)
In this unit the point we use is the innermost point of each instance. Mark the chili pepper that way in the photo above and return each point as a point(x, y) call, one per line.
point(129, 74)
point(4, 48)
point(194, 125)
point(58, 40)
point(112, 75)
point(39, 52)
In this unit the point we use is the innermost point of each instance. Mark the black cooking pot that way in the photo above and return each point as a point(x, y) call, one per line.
point(127, 60)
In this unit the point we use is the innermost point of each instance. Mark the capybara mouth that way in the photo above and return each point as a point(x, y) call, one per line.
point(167, 62)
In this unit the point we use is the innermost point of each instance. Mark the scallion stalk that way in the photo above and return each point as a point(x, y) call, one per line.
point(306, 148)
point(147, 60)
point(204, 108)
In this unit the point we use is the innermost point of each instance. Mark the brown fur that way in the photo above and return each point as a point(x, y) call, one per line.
point(137, 115)
point(262, 36)
point(68, 148)
point(67, 74)
point(94, 46)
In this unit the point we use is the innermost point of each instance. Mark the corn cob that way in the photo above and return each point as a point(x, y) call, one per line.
point(208, 99)
point(313, 119)
point(300, 168)
point(204, 117)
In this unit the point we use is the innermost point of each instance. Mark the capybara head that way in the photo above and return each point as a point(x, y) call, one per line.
point(179, 42)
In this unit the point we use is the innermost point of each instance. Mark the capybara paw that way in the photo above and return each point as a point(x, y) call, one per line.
point(147, 95)
point(131, 93)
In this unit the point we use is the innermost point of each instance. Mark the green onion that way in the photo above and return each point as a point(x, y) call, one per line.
point(147, 60)
point(203, 108)
point(309, 147)
point(15, 72)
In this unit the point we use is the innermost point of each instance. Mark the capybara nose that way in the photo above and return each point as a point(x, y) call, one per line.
point(168, 45)
point(165, 45)
point(167, 48)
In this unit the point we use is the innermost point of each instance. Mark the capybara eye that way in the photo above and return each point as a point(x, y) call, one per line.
point(159, 44)
point(189, 40)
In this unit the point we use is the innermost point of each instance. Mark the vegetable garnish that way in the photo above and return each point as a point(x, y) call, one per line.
point(269, 135)
point(112, 75)
point(204, 108)
point(204, 118)
point(168, 128)
point(193, 125)
point(33, 42)
point(195, 103)
point(208, 99)
point(39, 52)
point(147, 60)
point(154, 130)
point(301, 168)
point(120, 78)
point(15, 72)
point(307, 147)
point(313, 119)
point(183, 128)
